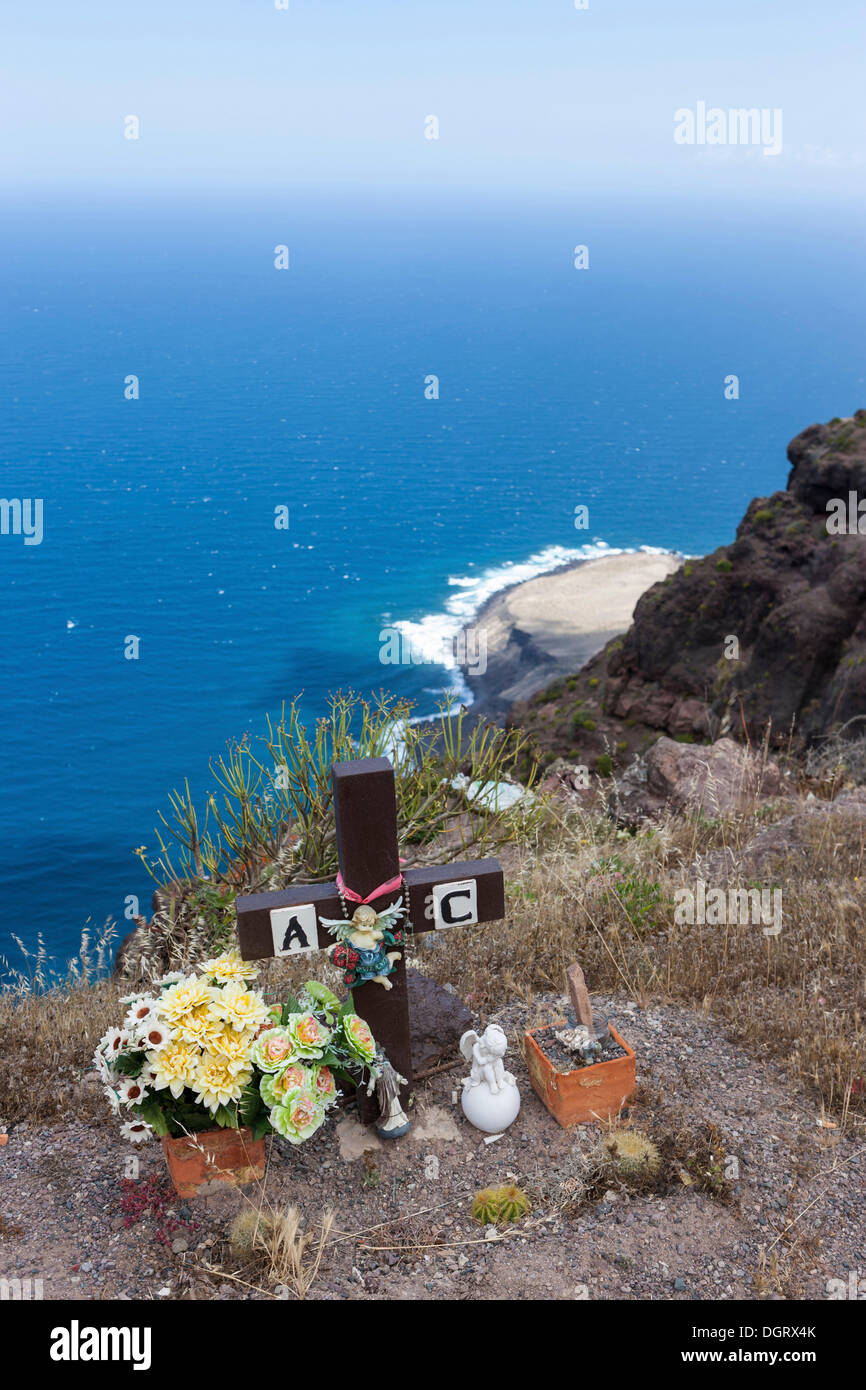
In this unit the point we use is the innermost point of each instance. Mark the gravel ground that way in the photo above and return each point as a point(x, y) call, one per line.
point(793, 1219)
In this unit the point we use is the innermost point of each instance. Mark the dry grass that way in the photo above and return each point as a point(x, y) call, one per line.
point(50, 1027)
point(280, 1253)
point(579, 889)
point(606, 898)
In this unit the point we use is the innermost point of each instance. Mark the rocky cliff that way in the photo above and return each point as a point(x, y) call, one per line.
point(765, 634)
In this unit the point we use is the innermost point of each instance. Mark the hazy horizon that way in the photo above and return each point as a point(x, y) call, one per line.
point(533, 97)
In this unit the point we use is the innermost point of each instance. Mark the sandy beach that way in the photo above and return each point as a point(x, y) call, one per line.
point(552, 625)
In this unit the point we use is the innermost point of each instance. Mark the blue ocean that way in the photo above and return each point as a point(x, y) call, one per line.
point(309, 389)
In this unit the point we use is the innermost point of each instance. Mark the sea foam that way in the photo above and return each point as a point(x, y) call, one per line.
point(432, 637)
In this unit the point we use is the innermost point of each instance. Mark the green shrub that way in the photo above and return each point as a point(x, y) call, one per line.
point(269, 821)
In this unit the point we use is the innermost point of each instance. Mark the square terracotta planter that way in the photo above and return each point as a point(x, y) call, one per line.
point(214, 1155)
point(594, 1093)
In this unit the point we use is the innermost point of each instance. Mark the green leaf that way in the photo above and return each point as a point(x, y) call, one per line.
point(129, 1063)
point(151, 1112)
point(290, 1007)
point(321, 995)
point(226, 1116)
point(250, 1104)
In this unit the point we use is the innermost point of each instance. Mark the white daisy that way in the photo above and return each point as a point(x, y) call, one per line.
point(132, 1090)
point(101, 1066)
point(136, 1131)
point(143, 1009)
point(113, 1099)
point(111, 1043)
point(155, 1035)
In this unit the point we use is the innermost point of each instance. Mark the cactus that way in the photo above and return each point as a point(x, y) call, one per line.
point(632, 1155)
point(249, 1232)
point(514, 1203)
point(493, 1205)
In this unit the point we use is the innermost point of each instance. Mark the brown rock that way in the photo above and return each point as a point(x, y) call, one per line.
point(438, 1020)
point(689, 717)
point(716, 779)
point(790, 588)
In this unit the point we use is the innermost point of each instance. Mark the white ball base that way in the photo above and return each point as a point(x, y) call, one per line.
point(490, 1113)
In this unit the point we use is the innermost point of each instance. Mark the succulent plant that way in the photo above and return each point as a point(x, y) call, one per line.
point(632, 1155)
point(513, 1204)
point(493, 1205)
point(249, 1231)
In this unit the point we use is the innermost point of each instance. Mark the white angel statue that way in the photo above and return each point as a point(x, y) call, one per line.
point(490, 1100)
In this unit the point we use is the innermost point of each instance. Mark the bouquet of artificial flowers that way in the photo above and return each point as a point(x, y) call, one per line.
point(200, 1051)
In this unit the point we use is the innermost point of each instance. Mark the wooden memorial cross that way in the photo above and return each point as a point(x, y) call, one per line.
point(288, 922)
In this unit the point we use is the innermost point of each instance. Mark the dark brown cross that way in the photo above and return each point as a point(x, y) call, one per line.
point(288, 922)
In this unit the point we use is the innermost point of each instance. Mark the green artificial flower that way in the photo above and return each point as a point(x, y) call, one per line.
point(275, 1089)
point(359, 1039)
point(299, 1118)
point(309, 1037)
point(274, 1049)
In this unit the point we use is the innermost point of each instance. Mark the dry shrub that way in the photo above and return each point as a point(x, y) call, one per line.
point(275, 1243)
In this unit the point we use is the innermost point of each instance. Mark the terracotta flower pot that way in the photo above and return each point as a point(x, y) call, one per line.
point(214, 1155)
point(597, 1092)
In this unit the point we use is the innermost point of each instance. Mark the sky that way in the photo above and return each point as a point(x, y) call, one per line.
point(529, 94)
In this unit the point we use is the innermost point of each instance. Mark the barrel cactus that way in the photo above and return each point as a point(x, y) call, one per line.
point(632, 1154)
point(513, 1203)
point(495, 1205)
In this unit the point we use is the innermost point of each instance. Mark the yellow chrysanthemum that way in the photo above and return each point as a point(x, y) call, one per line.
point(185, 996)
point(174, 1066)
point(201, 1025)
point(228, 967)
point(234, 1048)
point(240, 1008)
point(216, 1084)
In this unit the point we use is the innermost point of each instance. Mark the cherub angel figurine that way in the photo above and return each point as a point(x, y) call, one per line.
point(359, 950)
point(485, 1056)
point(490, 1098)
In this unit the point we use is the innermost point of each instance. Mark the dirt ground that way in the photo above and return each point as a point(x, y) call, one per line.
point(786, 1217)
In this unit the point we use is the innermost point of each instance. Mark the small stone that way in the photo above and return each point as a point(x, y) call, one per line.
point(680, 1285)
point(178, 1246)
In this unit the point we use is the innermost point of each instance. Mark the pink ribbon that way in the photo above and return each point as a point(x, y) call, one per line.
point(390, 887)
